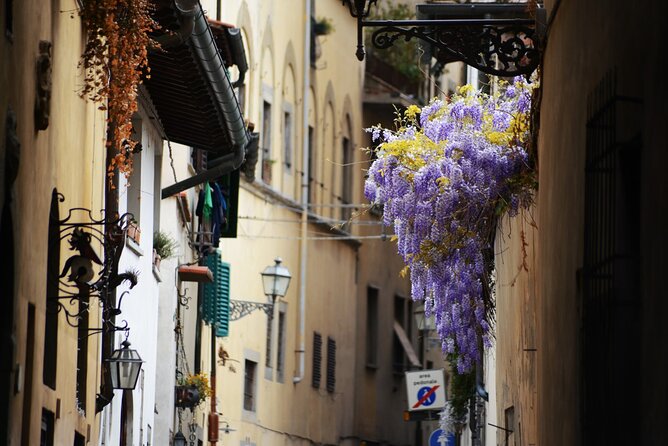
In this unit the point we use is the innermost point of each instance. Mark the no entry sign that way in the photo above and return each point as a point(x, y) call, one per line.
point(425, 389)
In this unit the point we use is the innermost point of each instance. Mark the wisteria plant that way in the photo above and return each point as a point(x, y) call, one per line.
point(444, 177)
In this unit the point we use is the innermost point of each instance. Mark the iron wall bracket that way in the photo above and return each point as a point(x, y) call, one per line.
point(496, 46)
point(241, 308)
point(84, 275)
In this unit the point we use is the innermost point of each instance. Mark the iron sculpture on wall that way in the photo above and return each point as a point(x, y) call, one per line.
point(84, 274)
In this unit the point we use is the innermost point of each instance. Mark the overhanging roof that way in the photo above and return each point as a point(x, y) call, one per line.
point(191, 91)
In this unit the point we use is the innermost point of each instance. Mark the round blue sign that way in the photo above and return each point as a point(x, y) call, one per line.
point(438, 438)
point(429, 400)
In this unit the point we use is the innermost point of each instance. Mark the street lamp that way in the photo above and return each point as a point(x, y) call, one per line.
point(125, 365)
point(180, 439)
point(275, 280)
point(423, 322)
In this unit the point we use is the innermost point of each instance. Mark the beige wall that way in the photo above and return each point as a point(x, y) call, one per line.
point(69, 156)
point(586, 40)
point(269, 226)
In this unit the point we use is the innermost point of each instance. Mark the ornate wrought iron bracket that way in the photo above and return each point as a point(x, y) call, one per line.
point(84, 275)
point(241, 308)
point(501, 46)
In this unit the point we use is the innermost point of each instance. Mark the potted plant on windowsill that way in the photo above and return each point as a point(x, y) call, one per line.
point(164, 247)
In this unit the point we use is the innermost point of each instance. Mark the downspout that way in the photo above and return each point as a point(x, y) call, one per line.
point(238, 54)
point(301, 348)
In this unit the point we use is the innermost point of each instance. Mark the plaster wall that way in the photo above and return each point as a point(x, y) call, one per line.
point(140, 305)
point(269, 226)
point(68, 156)
point(586, 40)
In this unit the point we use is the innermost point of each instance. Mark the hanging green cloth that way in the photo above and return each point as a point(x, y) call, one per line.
point(208, 201)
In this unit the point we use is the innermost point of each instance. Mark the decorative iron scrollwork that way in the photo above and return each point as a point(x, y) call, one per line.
point(85, 275)
point(496, 46)
point(241, 308)
point(496, 50)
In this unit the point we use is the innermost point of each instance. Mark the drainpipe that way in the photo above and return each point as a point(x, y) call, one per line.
point(301, 349)
point(238, 54)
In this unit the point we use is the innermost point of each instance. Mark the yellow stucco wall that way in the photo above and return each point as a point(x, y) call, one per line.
point(269, 226)
point(69, 156)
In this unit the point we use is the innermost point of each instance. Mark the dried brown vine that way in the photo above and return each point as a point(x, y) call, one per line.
point(114, 60)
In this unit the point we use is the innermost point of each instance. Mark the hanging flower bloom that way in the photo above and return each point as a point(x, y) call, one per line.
point(444, 176)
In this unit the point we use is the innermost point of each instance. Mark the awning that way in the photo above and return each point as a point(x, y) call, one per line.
point(406, 344)
point(189, 84)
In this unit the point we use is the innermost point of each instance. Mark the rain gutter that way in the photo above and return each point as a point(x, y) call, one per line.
point(204, 47)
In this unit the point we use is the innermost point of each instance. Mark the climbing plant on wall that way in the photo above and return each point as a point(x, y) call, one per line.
point(114, 60)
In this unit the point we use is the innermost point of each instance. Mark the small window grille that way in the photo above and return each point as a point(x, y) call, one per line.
point(331, 364)
point(317, 359)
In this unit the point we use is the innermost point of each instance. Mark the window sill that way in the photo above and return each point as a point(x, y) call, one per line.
point(134, 246)
point(156, 274)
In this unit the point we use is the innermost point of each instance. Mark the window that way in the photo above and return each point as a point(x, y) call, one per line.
point(402, 347)
point(266, 142)
point(287, 139)
point(9, 19)
point(317, 360)
point(79, 440)
point(270, 337)
point(249, 385)
point(134, 188)
point(280, 353)
point(52, 292)
point(82, 351)
point(47, 428)
point(371, 327)
point(28, 387)
point(611, 275)
point(331, 364)
point(509, 420)
point(347, 179)
point(311, 164)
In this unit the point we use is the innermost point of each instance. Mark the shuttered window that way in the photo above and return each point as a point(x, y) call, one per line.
point(216, 302)
point(317, 359)
point(331, 364)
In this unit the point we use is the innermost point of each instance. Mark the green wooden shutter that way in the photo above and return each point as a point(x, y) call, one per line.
point(223, 301)
point(216, 296)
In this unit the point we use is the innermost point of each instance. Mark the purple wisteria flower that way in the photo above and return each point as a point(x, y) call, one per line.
point(442, 181)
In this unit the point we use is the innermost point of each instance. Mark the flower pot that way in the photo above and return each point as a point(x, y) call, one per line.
point(156, 259)
point(134, 232)
point(186, 396)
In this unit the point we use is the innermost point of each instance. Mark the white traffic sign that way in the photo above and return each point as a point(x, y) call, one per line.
point(425, 390)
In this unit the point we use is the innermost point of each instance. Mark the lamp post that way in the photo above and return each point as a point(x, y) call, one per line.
point(124, 364)
point(275, 280)
point(423, 322)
